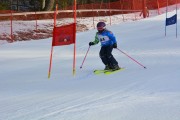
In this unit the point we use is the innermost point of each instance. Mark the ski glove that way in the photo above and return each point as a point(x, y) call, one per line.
point(115, 45)
point(91, 43)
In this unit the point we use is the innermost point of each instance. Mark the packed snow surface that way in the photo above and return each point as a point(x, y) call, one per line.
point(135, 93)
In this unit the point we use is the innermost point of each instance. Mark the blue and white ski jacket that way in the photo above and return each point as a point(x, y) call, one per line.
point(106, 38)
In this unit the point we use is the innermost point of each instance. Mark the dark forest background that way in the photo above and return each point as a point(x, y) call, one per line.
point(43, 5)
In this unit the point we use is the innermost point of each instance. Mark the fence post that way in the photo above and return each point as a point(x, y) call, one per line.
point(144, 8)
point(11, 28)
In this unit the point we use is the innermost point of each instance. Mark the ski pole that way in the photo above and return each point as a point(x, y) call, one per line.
point(131, 58)
point(85, 57)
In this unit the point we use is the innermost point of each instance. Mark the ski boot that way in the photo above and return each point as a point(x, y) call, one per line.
point(107, 67)
point(115, 67)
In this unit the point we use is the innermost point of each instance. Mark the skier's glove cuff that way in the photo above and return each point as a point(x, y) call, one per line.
point(91, 43)
point(115, 45)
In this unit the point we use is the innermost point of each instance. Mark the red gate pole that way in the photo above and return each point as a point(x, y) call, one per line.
point(52, 48)
point(74, 58)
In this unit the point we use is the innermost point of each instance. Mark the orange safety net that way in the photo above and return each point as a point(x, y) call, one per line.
point(121, 7)
point(96, 9)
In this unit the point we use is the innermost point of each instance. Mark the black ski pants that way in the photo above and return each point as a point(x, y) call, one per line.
point(106, 56)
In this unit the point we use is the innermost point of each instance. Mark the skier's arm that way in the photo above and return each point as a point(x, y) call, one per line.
point(96, 41)
point(112, 37)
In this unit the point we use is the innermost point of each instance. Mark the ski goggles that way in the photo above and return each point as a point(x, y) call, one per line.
point(101, 28)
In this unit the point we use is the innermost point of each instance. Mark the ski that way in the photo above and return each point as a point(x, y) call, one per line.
point(107, 72)
point(111, 71)
point(99, 71)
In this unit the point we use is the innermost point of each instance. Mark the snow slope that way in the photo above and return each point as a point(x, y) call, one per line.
point(133, 94)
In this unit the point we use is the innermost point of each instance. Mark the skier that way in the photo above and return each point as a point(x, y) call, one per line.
point(108, 42)
point(145, 14)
